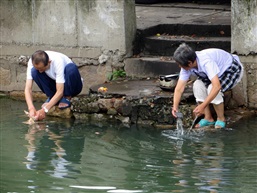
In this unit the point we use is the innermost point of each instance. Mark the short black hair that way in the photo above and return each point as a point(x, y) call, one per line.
point(40, 56)
point(183, 54)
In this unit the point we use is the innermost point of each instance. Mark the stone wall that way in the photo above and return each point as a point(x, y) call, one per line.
point(73, 27)
point(244, 43)
point(250, 63)
point(149, 109)
point(244, 26)
point(129, 110)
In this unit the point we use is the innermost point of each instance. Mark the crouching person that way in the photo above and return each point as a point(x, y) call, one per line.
point(57, 76)
point(217, 72)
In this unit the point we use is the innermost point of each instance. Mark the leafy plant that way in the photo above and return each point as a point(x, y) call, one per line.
point(117, 74)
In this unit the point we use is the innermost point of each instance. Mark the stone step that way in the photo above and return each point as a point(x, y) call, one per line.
point(164, 39)
point(165, 45)
point(151, 67)
point(206, 30)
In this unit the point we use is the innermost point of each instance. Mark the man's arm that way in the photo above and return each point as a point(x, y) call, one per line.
point(213, 93)
point(29, 98)
point(177, 96)
point(40, 114)
point(58, 95)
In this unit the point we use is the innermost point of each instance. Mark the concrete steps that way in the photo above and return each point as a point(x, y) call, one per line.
point(145, 67)
point(167, 44)
point(154, 46)
point(208, 30)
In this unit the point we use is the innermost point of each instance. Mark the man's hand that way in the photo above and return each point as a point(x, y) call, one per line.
point(199, 110)
point(32, 113)
point(174, 112)
point(40, 115)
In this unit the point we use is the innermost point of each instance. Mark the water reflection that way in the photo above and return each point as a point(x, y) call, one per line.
point(50, 151)
point(73, 156)
point(215, 161)
point(202, 165)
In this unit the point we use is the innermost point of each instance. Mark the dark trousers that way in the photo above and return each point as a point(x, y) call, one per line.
point(72, 86)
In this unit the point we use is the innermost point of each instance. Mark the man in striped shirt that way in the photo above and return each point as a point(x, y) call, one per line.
point(217, 72)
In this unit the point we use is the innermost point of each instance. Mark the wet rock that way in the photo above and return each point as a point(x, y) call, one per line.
point(105, 104)
point(118, 104)
point(85, 104)
point(99, 117)
point(37, 96)
point(125, 120)
point(63, 113)
point(125, 109)
point(111, 111)
point(139, 110)
point(82, 116)
point(145, 122)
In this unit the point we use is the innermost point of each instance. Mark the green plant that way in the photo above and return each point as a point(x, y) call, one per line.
point(117, 74)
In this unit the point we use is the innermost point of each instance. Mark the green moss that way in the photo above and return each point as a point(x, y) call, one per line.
point(86, 5)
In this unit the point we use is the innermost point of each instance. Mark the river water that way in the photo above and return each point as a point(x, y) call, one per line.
point(72, 156)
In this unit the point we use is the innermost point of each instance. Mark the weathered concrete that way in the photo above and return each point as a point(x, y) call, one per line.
point(244, 26)
point(182, 13)
point(150, 67)
point(71, 23)
point(249, 88)
point(244, 43)
point(97, 35)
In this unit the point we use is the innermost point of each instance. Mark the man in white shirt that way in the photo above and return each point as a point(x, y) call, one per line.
point(217, 72)
point(57, 76)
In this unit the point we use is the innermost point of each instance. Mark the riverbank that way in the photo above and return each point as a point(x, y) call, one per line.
point(136, 102)
point(138, 99)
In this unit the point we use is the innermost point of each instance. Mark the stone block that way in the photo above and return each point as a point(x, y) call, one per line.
point(105, 104)
point(5, 76)
point(111, 111)
point(126, 109)
point(62, 113)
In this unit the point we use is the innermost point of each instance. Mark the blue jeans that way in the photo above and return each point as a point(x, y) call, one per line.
point(72, 86)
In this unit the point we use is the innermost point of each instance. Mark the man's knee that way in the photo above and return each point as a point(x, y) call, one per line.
point(199, 87)
point(199, 90)
point(198, 84)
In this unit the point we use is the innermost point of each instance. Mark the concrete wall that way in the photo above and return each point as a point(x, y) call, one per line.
point(92, 33)
point(250, 79)
point(244, 43)
point(244, 26)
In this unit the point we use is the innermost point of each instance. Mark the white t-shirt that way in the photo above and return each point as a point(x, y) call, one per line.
point(57, 65)
point(210, 62)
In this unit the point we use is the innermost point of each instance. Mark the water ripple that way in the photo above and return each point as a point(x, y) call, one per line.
point(82, 157)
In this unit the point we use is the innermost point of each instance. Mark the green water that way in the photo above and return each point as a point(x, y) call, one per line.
point(71, 156)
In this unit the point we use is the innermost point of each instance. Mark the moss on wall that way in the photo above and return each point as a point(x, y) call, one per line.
point(87, 5)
